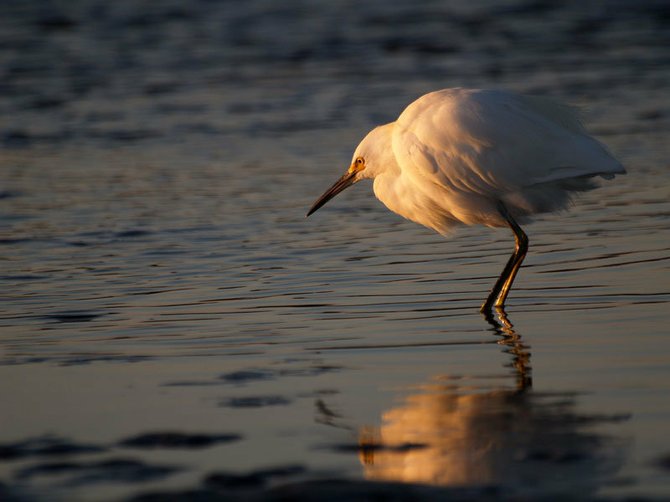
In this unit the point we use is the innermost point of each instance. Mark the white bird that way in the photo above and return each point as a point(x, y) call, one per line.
point(472, 156)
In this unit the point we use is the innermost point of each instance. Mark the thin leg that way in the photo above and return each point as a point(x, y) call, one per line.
point(501, 289)
point(521, 248)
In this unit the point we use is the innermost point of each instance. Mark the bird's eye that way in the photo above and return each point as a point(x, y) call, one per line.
point(360, 161)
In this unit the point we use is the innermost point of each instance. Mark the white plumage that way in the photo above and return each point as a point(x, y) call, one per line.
point(453, 153)
point(471, 156)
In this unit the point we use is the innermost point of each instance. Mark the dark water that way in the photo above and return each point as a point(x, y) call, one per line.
point(170, 322)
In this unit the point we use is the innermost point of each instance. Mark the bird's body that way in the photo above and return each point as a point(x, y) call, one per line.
point(471, 156)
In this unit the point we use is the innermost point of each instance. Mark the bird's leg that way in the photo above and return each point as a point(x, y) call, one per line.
point(500, 290)
point(521, 248)
point(499, 285)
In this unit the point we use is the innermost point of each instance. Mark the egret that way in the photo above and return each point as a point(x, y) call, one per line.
point(474, 156)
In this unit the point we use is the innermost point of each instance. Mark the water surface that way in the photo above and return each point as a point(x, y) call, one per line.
point(171, 322)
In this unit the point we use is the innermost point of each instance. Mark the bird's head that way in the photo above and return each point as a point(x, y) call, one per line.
point(370, 157)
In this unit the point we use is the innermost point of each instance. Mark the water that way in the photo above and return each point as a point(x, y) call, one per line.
point(170, 322)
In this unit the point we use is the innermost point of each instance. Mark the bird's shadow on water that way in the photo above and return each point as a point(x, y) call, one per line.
point(507, 438)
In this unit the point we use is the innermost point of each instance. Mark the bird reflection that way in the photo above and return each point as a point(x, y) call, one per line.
point(452, 433)
point(511, 340)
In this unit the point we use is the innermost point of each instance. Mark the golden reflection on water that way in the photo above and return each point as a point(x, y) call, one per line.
point(454, 434)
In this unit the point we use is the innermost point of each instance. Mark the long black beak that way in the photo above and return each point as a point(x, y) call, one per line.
point(344, 182)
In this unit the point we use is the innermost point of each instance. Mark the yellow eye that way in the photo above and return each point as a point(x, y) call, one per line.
point(357, 165)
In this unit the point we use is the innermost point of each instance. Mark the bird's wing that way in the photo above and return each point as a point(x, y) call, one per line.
point(492, 142)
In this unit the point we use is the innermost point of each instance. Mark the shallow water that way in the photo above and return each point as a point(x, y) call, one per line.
point(170, 322)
